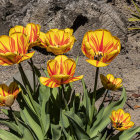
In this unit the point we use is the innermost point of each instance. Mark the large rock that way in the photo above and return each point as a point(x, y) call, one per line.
point(81, 15)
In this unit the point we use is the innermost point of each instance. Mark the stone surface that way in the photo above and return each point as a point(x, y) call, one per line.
point(81, 15)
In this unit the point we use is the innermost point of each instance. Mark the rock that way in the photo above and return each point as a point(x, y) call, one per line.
point(81, 15)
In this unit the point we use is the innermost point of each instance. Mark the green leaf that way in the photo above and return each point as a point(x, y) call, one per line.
point(134, 19)
point(32, 122)
point(11, 125)
point(78, 130)
point(138, 9)
point(86, 102)
point(64, 124)
point(5, 135)
point(100, 124)
point(127, 134)
point(36, 70)
point(76, 61)
point(74, 117)
point(56, 132)
point(44, 95)
point(24, 78)
point(27, 135)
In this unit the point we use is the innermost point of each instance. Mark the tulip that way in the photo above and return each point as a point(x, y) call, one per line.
point(8, 94)
point(61, 71)
point(14, 49)
point(121, 120)
point(58, 41)
point(100, 47)
point(32, 31)
point(111, 83)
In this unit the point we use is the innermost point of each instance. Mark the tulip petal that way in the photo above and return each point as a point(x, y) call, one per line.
point(74, 79)
point(9, 100)
point(9, 59)
point(21, 43)
point(108, 57)
point(61, 59)
point(60, 79)
point(96, 63)
point(110, 77)
point(17, 29)
point(33, 31)
point(7, 44)
point(68, 30)
point(48, 82)
point(70, 67)
point(52, 67)
point(42, 38)
point(14, 89)
point(3, 90)
point(27, 56)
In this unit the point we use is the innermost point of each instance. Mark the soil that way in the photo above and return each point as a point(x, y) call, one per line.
point(126, 66)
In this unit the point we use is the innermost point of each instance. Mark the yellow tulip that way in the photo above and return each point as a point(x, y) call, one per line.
point(14, 49)
point(121, 120)
point(32, 31)
point(58, 41)
point(111, 83)
point(8, 94)
point(61, 71)
point(100, 47)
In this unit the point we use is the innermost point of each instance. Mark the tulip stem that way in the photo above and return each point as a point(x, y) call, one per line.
point(65, 102)
point(13, 115)
point(34, 79)
point(94, 92)
point(95, 85)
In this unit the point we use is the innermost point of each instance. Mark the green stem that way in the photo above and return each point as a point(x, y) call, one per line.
point(103, 99)
point(65, 102)
point(34, 79)
point(16, 121)
point(93, 97)
point(95, 86)
point(105, 95)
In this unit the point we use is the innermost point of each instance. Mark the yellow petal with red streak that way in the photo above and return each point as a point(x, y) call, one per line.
point(74, 79)
point(3, 90)
point(96, 63)
point(9, 59)
point(42, 38)
point(70, 67)
point(17, 29)
point(52, 67)
point(48, 82)
point(60, 79)
point(33, 31)
point(21, 43)
point(6, 44)
point(108, 57)
point(14, 89)
point(110, 77)
point(27, 56)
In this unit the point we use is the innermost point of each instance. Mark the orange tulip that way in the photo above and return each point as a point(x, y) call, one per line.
point(58, 41)
point(111, 83)
point(121, 120)
point(100, 47)
point(32, 31)
point(8, 94)
point(14, 49)
point(61, 71)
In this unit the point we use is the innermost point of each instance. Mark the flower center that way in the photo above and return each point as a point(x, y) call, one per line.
point(119, 124)
point(98, 55)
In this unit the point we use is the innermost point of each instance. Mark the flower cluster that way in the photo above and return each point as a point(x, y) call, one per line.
point(99, 46)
